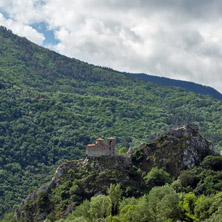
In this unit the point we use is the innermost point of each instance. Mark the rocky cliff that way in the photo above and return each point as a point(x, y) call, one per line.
point(175, 150)
point(74, 181)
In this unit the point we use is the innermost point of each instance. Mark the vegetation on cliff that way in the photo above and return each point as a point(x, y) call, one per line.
point(195, 196)
point(79, 189)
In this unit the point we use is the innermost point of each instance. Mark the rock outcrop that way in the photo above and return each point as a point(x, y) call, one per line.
point(74, 181)
point(177, 149)
point(31, 209)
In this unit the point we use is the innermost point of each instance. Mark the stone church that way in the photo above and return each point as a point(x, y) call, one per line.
point(100, 148)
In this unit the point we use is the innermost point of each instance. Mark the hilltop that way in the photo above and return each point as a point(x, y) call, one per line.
point(52, 106)
point(75, 181)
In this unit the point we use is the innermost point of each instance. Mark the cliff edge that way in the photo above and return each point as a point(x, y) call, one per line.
point(75, 181)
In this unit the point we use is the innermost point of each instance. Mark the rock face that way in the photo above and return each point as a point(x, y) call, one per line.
point(177, 149)
point(74, 181)
point(31, 209)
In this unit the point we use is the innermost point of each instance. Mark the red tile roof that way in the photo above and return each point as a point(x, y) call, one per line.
point(100, 139)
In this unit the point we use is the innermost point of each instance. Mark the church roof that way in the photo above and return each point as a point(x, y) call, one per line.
point(100, 139)
point(91, 144)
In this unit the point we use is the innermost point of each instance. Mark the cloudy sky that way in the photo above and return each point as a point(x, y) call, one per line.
point(180, 39)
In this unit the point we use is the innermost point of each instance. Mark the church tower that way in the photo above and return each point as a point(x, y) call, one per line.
point(112, 145)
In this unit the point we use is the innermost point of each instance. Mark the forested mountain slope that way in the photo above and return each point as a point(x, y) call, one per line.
point(53, 106)
point(190, 86)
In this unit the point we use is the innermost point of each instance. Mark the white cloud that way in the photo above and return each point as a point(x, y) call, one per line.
point(177, 39)
point(24, 11)
point(22, 30)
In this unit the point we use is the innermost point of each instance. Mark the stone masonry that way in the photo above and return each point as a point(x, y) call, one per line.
point(100, 148)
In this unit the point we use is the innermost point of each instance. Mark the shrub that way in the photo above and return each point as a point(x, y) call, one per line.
point(156, 177)
point(212, 163)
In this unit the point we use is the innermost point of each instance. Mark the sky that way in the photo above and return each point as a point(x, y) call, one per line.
point(179, 39)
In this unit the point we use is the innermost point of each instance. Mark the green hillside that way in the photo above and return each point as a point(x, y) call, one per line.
point(53, 106)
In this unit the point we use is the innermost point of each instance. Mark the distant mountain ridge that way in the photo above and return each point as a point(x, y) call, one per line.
point(190, 86)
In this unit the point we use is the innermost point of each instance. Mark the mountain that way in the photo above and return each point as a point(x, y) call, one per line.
point(52, 106)
point(189, 86)
point(75, 181)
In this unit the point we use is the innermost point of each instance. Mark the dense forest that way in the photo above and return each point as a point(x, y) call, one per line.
point(189, 86)
point(53, 106)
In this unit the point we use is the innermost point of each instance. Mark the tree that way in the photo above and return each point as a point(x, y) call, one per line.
point(163, 204)
point(202, 207)
point(100, 207)
point(123, 150)
point(115, 195)
point(156, 177)
point(134, 210)
point(216, 217)
point(9, 218)
point(212, 163)
point(81, 211)
point(188, 205)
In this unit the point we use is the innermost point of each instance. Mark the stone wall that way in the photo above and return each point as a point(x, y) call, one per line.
point(101, 149)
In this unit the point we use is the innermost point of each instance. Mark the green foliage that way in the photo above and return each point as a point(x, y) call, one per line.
point(81, 211)
point(53, 106)
point(216, 217)
point(187, 204)
point(80, 219)
point(112, 219)
point(201, 180)
point(189, 178)
point(100, 207)
point(9, 218)
point(163, 204)
point(127, 201)
point(202, 208)
point(217, 203)
point(156, 177)
point(212, 163)
point(97, 209)
point(123, 150)
point(160, 205)
point(42, 201)
point(115, 195)
point(135, 210)
point(138, 156)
